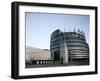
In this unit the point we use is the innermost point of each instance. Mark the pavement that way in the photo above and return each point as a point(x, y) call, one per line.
point(56, 64)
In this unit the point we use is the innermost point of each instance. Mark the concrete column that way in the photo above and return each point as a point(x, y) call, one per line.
point(44, 62)
point(37, 62)
point(41, 62)
point(63, 50)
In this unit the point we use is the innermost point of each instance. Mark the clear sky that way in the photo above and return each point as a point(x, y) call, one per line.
point(39, 27)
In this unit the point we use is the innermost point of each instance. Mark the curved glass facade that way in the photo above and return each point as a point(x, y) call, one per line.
point(77, 47)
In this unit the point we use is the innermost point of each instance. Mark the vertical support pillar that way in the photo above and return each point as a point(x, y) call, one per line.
point(63, 50)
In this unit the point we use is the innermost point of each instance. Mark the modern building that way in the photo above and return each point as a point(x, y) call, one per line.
point(37, 56)
point(68, 47)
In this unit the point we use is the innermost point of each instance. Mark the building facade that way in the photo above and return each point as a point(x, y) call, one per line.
point(37, 56)
point(69, 47)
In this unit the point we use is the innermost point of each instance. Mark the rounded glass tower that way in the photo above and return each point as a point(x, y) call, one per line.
point(74, 42)
point(78, 49)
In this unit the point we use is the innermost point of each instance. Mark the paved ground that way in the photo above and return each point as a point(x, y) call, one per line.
point(56, 64)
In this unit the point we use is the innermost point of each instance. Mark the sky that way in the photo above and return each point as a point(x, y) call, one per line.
point(39, 27)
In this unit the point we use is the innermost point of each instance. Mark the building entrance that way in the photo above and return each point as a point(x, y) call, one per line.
point(57, 56)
